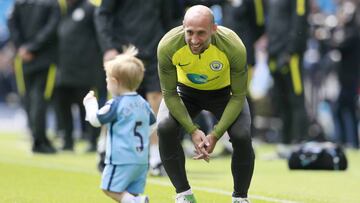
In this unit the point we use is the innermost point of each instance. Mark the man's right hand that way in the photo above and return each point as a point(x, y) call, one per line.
point(25, 55)
point(283, 61)
point(200, 142)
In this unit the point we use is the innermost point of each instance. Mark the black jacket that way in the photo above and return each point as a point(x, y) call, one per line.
point(80, 59)
point(248, 21)
point(349, 47)
point(287, 26)
point(33, 24)
point(139, 22)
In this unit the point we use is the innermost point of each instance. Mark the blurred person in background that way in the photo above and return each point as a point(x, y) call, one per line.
point(287, 32)
point(79, 68)
point(5, 6)
point(247, 19)
point(33, 25)
point(327, 6)
point(346, 39)
point(141, 23)
point(7, 79)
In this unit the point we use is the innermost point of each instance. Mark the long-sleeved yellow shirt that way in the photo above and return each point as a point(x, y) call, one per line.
point(222, 64)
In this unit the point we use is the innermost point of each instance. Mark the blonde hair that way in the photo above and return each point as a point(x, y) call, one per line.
point(127, 68)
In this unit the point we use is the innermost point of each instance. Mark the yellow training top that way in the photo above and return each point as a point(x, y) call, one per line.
point(222, 64)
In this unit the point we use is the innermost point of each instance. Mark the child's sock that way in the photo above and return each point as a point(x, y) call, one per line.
point(142, 199)
point(128, 198)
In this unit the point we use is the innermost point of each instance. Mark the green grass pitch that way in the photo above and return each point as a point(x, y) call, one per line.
point(73, 178)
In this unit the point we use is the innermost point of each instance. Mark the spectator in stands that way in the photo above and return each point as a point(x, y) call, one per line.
point(7, 79)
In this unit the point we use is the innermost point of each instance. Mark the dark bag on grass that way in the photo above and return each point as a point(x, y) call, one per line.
point(318, 156)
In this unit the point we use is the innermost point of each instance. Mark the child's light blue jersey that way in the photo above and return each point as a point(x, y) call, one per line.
point(129, 118)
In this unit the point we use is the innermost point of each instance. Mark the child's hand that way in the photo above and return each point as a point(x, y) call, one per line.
point(91, 107)
point(89, 97)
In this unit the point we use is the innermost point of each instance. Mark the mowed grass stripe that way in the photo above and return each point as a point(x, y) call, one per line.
point(151, 180)
point(74, 173)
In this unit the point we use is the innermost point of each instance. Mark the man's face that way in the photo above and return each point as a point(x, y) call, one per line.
point(198, 33)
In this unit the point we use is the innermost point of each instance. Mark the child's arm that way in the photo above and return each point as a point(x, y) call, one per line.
point(91, 107)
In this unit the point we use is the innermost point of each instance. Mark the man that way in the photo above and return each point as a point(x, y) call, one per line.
point(203, 67)
point(287, 35)
point(348, 72)
point(79, 67)
point(247, 19)
point(32, 27)
point(141, 23)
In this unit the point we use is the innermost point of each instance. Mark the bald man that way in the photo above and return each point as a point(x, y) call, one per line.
point(202, 66)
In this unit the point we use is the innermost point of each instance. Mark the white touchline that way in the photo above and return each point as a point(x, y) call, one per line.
point(149, 180)
point(222, 192)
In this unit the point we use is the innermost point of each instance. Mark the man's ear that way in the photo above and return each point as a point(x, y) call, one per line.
point(214, 28)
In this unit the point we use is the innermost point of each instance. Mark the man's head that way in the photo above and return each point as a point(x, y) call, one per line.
point(199, 26)
point(125, 71)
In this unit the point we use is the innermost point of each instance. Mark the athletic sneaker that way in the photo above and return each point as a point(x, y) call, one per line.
point(44, 148)
point(240, 200)
point(142, 199)
point(186, 199)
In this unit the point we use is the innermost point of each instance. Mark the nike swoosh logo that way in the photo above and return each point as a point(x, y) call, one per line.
point(181, 65)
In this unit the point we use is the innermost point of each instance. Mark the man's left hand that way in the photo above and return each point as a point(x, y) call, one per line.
point(212, 143)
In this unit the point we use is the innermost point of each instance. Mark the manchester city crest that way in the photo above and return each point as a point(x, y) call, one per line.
point(216, 65)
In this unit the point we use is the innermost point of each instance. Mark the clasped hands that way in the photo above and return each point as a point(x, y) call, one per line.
point(204, 145)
